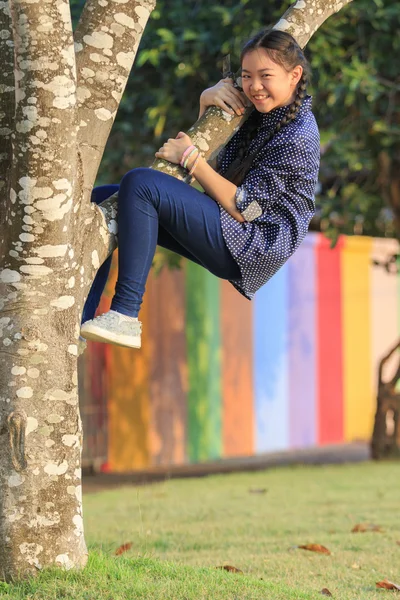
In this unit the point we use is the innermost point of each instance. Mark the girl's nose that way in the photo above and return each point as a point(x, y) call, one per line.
point(257, 85)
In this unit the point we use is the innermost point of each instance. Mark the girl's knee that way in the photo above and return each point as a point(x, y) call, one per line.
point(141, 183)
point(137, 176)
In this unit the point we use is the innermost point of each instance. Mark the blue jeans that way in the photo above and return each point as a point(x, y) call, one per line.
point(155, 208)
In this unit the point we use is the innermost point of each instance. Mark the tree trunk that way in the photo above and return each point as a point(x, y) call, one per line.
point(52, 242)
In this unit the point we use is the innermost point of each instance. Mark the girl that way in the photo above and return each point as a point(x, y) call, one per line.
point(257, 204)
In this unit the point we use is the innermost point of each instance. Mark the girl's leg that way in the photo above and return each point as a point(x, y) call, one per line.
point(99, 194)
point(150, 202)
point(156, 208)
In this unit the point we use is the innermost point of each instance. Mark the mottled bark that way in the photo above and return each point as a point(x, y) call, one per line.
point(41, 439)
point(52, 242)
point(7, 101)
point(306, 16)
point(105, 44)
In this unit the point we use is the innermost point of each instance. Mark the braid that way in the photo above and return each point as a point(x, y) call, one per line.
point(293, 108)
point(239, 168)
point(250, 131)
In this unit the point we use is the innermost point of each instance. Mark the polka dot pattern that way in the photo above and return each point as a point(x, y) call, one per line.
point(276, 197)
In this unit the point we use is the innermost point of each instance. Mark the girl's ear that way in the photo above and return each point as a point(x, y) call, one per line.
point(297, 74)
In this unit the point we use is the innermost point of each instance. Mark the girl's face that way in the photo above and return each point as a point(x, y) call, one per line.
point(266, 84)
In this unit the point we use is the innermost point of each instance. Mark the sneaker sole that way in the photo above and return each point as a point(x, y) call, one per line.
point(96, 334)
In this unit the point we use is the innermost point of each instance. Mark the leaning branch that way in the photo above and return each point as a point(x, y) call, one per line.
point(106, 41)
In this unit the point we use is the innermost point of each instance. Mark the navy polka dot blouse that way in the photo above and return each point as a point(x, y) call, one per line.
point(276, 197)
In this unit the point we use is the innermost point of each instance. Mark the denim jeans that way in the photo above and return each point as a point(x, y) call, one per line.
point(155, 208)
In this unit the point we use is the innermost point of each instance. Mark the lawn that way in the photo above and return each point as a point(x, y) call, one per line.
point(180, 530)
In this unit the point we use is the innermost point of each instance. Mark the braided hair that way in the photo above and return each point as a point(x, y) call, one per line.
point(283, 49)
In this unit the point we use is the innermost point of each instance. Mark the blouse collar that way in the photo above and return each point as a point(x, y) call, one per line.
point(272, 118)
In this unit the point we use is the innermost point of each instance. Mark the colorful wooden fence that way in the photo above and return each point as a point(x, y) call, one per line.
point(219, 376)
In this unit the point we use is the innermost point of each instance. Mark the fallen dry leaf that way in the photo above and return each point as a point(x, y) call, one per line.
point(355, 566)
point(257, 490)
point(326, 592)
point(230, 569)
point(388, 585)
point(123, 548)
point(363, 527)
point(315, 548)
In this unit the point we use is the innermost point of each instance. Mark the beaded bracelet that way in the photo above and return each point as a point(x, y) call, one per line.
point(194, 164)
point(188, 157)
point(188, 149)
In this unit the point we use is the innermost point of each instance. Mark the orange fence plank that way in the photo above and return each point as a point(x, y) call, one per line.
point(168, 376)
point(128, 397)
point(237, 373)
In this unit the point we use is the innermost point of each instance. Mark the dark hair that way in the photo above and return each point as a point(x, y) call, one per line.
point(282, 49)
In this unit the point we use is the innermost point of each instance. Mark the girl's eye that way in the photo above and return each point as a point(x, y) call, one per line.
point(266, 75)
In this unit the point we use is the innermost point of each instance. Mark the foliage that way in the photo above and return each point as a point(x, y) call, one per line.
point(358, 109)
point(355, 87)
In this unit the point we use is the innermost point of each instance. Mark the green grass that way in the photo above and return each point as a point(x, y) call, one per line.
point(182, 529)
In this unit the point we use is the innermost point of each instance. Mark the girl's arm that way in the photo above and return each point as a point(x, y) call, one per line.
point(216, 186)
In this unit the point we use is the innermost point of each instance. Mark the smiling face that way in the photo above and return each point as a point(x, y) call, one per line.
point(266, 84)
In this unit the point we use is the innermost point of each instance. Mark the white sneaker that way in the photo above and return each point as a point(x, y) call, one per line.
point(113, 328)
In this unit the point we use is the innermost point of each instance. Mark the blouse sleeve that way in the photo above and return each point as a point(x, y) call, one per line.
point(281, 169)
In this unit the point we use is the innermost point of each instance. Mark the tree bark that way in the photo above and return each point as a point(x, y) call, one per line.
point(7, 102)
point(52, 242)
point(105, 47)
point(40, 511)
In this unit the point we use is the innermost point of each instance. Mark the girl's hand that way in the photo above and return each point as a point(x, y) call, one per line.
point(173, 149)
point(224, 95)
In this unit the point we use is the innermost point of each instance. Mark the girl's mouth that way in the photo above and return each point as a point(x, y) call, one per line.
point(259, 98)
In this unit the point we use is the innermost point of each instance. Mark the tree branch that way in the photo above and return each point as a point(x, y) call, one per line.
point(306, 16)
point(107, 38)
